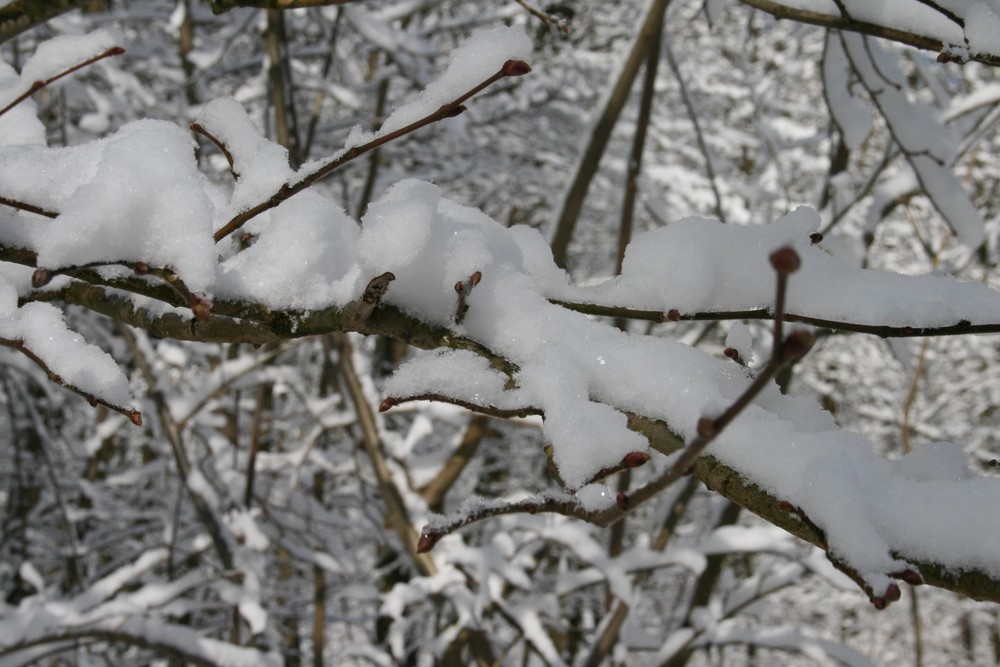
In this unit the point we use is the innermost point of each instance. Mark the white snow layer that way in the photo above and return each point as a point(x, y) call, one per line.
point(137, 195)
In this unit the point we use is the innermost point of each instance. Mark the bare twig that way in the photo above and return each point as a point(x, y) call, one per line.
point(448, 110)
point(38, 85)
point(545, 17)
point(693, 115)
point(196, 127)
point(489, 410)
point(960, 328)
point(605, 122)
point(30, 208)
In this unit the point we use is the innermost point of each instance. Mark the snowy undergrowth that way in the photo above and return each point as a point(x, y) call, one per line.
point(138, 196)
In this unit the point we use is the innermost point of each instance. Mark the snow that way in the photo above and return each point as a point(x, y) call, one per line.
point(138, 196)
point(135, 196)
point(701, 265)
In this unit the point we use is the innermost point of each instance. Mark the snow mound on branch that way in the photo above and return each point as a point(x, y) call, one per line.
point(701, 265)
point(40, 328)
point(302, 256)
point(141, 198)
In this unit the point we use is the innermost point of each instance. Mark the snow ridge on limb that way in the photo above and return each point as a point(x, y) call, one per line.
point(579, 373)
point(959, 32)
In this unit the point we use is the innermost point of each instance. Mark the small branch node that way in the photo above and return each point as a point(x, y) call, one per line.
point(41, 277)
point(674, 315)
point(706, 428)
point(464, 289)
point(200, 307)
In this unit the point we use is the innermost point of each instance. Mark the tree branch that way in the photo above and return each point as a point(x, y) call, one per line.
point(222, 6)
point(839, 22)
point(448, 110)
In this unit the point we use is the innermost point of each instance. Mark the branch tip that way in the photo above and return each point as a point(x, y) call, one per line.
point(635, 459)
point(41, 278)
point(909, 576)
point(706, 427)
point(428, 538)
point(515, 68)
point(387, 404)
point(135, 417)
point(815, 238)
point(785, 260)
point(199, 306)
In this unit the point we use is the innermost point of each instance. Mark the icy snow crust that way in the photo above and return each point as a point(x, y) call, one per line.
point(137, 195)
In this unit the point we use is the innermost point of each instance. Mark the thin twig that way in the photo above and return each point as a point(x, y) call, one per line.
point(38, 85)
point(30, 208)
point(960, 328)
point(448, 110)
point(196, 127)
point(133, 415)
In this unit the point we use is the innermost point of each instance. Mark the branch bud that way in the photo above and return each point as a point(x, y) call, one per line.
point(135, 417)
point(674, 315)
point(892, 593)
point(785, 260)
point(202, 311)
point(41, 278)
point(796, 345)
point(635, 459)
point(428, 538)
point(515, 68)
point(621, 500)
point(387, 404)
point(706, 427)
point(815, 238)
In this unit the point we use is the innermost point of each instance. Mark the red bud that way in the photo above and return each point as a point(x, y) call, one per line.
point(387, 404)
point(476, 277)
point(135, 417)
point(635, 459)
point(706, 427)
point(785, 260)
point(515, 68)
point(427, 541)
point(912, 577)
point(41, 278)
point(674, 315)
point(892, 593)
point(621, 500)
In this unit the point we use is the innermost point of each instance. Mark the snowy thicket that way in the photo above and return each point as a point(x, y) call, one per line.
point(222, 231)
